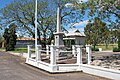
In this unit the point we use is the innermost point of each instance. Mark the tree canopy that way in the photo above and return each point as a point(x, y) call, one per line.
point(107, 10)
point(22, 13)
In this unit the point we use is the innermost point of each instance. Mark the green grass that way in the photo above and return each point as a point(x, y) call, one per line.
point(110, 46)
point(17, 50)
point(20, 50)
point(2, 49)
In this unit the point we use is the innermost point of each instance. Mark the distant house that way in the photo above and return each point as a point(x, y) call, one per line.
point(74, 37)
point(24, 41)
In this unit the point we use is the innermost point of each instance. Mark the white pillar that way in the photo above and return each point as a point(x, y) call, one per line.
point(59, 34)
point(79, 54)
point(88, 50)
point(53, 55)
point(38, 52)
point(57, 53)
point(58, 20)
point(47, 49)
point(29, 51)
point(73, 50)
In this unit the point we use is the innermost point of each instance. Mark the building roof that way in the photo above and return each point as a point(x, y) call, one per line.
point(74, 32)
point(24, 38)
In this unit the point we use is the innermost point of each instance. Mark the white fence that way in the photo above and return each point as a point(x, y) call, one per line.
point(42, 65)
point(53, 67)
point(99, 71)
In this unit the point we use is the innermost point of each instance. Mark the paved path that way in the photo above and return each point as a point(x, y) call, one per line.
point(13, 68)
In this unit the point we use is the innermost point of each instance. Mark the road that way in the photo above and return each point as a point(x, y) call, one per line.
point(13, 68)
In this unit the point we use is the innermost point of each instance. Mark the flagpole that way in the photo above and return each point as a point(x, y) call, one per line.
point(36, 26)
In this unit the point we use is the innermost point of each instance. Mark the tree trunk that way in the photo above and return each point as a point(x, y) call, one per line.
point(39, 37)
point(50, 39)
point(119, 40)
point(94, 46)
point(44, 38)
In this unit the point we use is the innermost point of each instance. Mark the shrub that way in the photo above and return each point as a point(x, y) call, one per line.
point(116, 49)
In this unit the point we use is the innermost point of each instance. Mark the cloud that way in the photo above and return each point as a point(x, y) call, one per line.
point(81, 23)
point(81, 29)
point(80, 1)
point(69, 5)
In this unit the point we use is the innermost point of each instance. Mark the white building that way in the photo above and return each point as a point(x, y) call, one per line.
point(74, 37)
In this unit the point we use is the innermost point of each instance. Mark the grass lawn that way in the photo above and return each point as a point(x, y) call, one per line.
point(110, 46)
point(17, 50)
point(20, 50)
point(2, 49)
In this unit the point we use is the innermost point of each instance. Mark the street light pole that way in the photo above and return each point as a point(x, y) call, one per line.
point(36, 26)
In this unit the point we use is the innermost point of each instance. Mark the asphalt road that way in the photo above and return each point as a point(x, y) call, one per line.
point(13, 68)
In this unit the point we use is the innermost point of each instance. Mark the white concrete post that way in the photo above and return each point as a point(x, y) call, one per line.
point(73, 50)
point(47, 49)
point(38, 55)
point(53, 55)
point(88, 50)
point(57, 53)
point(58, 20)
point(79, 54)
point(29, 51)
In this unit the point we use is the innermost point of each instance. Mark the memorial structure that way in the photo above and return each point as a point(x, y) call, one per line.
point(48, 59)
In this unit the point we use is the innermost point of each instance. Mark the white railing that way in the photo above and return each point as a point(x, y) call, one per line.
point(99, 71)
point(31, 52)
point(52, 52)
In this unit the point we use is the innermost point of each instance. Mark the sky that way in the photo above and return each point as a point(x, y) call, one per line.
point(3, 3)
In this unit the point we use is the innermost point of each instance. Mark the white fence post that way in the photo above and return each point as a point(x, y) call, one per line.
point(29, 51)
point(47, 49)
point(73, 50)
point(57, 53)
point(88, 50)
point(53, 55)
point(79, 54)
point(38, 54)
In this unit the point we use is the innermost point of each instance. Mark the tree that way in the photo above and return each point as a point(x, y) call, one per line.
point(6, 37)
point(10, 37)
point(96, 32)
point(104, 9)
